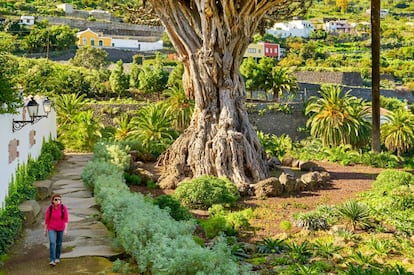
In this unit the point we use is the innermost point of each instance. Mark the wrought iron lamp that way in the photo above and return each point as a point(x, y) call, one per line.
point(33, 110)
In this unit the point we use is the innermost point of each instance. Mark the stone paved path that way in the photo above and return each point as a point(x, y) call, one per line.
point(86, 236)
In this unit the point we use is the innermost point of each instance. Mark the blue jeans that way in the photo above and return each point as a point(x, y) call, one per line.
point(55, 244)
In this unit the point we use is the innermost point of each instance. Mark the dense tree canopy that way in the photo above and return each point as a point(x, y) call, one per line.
point(210, 38)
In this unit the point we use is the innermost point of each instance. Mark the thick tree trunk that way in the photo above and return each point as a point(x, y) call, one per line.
point(220, 140)
point(210, 38)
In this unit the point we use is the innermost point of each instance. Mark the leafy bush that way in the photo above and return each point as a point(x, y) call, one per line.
point(132, 179)
point(114, 153)
point(98, 168)
point(176, 210)
point(205, 191)
point(381, 160)
point(216, 225)
point(387, 180)
point(270, 245)
point(311, 221)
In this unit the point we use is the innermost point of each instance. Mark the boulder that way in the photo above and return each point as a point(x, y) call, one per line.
point(274, 163)
point(312, 180)
point(30, 210)
point(43, 189)
point(309, 166)
point(270, 187)
point(146, 175)
point(289, 183)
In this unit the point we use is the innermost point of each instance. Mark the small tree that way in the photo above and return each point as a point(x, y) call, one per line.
point(90, 57)
point(338, 119)
point(398, 132)
point(118, 79)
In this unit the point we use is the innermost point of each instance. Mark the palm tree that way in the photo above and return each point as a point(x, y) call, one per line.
point(153, 127)
point(398, 132)
point(281, 82)
point(337, 119)
point(179, 106)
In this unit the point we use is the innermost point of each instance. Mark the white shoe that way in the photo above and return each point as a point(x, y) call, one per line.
point(57, 261)
point(52, 263)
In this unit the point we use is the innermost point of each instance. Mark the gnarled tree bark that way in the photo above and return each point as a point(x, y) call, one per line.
point(210, 37)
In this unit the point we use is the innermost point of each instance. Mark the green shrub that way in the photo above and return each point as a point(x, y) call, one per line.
point(388, 180)
point(98, 168)
point(176, 210)
point(380, 160)
point(216, 225)
point(311, 221)
point(114, 153)
point(132, 179)
point(205, 191)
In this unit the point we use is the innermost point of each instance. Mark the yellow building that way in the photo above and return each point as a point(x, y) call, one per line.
point(255, 50)
point(90, 38)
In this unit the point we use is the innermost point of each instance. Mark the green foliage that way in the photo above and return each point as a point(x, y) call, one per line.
point(119, 80)
point(82, 134)
point(153, 128)
point(176, 210)
point(382, 159)
point(356, 213)
point(216, 225)
point(327, 250)
point(275, 146)
point(132, 179)
point(338, 119)
point(391, 103)
point(397, 133)
point(270, 245)
point(300, 252)
point(343, 154)
point(90, 58)
point(114, 153)
point(153, 79)
point(9, 96)
point(180, 108)
point(388, 180)
point(205, 191)
point(311, 221)
point(98, 168)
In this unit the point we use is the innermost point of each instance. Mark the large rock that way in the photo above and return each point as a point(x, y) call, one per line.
point(270, 187)
point(309, 166)
point(313, 180)
point(289, 183)
point(43, 188)
point(30, 210)
point(146, 175)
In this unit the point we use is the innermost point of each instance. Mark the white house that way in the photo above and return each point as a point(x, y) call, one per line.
point(338, 26)
point(27, 20)
point(67, 8)
point(299, 28)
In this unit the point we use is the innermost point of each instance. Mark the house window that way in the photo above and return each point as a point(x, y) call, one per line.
point(267, 50)
point(259, 51)
point(92, 42)
point(251, 50)
point(85, 41)
point(100, 43)
point(113, 44)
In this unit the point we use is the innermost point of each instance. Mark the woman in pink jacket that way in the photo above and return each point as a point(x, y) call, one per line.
point(56, 221)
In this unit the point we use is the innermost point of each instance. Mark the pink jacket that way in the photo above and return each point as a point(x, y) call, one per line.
point(56, 222)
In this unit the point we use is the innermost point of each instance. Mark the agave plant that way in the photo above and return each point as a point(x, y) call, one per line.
point(270, 245)
point(356, 213)
point(327, 249)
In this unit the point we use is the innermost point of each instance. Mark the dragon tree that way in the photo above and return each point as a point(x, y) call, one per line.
point(211, 37)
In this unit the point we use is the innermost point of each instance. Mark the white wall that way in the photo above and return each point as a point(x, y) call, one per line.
point(44, 128)
point(135, 44)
